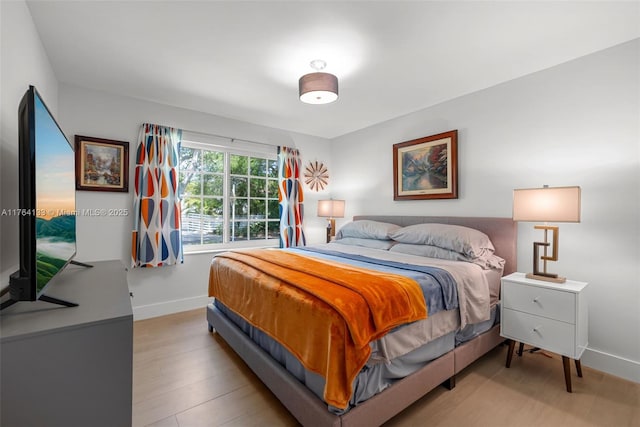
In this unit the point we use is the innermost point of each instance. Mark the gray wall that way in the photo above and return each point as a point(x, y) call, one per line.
point(574, 124)
point(93, 113)
point(167, 289)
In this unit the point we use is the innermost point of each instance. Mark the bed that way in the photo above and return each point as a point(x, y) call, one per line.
point(404, 362)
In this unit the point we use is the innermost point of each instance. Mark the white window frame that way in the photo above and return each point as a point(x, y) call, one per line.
point(228, 147)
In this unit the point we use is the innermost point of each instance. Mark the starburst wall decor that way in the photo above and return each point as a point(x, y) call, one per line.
point(316, 176)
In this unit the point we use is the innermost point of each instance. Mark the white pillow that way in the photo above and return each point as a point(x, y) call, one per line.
point(429, 251)
point(465, 240)
point(367, 229)
point(490, 261)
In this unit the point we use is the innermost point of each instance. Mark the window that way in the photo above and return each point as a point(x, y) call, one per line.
point(229, 197)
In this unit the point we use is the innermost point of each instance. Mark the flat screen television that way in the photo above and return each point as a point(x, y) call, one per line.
point(46, 202)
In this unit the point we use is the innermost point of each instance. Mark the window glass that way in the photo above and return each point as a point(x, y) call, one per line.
point(227, 197)
point(239, 164)
point(258, 187)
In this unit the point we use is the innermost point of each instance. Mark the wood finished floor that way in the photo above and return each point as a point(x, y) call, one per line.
point(183, 376)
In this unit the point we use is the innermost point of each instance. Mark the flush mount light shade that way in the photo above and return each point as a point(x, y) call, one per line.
point(318, 88)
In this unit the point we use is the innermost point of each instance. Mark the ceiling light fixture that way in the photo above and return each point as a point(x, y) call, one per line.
point(318, 87)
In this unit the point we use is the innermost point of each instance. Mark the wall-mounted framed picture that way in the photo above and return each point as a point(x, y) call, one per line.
point(426, 168)
point(101, 164)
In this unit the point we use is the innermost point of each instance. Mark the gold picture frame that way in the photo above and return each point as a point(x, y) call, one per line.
point(101, 164)
point(426, 168)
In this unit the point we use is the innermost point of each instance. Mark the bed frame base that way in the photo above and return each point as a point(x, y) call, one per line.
point(309, 410)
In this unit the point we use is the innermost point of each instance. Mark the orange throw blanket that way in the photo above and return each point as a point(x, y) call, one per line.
point(325, 313)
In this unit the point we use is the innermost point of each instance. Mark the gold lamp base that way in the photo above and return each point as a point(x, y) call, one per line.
point(543, 275)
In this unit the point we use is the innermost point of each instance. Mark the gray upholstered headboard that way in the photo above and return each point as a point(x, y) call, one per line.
point(503, 232)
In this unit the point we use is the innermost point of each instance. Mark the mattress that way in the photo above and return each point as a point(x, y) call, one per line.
point(408, 348)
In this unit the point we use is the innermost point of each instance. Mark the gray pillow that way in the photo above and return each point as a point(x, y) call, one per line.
point(367, 243)
point(465, 240)
point(367, 229)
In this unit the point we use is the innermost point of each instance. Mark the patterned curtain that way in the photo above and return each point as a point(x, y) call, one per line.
point(291, 198)
point(156, 238)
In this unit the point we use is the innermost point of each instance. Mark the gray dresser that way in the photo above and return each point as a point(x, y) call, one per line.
point(70, 366)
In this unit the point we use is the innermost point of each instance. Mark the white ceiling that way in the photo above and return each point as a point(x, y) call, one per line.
point(242, 60)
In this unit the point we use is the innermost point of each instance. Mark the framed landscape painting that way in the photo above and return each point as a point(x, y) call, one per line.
point(101, 164)
point(426, 168)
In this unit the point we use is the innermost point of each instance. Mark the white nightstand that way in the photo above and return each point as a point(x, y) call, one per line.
point(550, 316)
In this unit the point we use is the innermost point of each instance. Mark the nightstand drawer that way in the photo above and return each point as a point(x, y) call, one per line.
point(540, 301)
point(542, 332)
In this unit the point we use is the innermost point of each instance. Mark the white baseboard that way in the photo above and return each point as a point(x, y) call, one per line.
point(612, 364)
point(169, 307)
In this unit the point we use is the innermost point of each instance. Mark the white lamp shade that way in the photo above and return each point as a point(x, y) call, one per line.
point(558, 204)
point(318, 88)
point(331, 208)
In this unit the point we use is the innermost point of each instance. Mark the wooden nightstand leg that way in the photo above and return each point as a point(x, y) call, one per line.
point(520, 349)
point(512, 345)
point(579, 367)
point(567, 373)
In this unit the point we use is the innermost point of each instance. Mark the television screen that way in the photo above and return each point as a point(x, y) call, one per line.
point(46, 203)
point(55, 197)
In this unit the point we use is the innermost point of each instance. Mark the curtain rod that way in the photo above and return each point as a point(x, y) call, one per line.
point(228, 137)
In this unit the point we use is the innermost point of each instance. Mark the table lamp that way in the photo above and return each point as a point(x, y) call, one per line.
point(557, 204)
point(331, 209)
